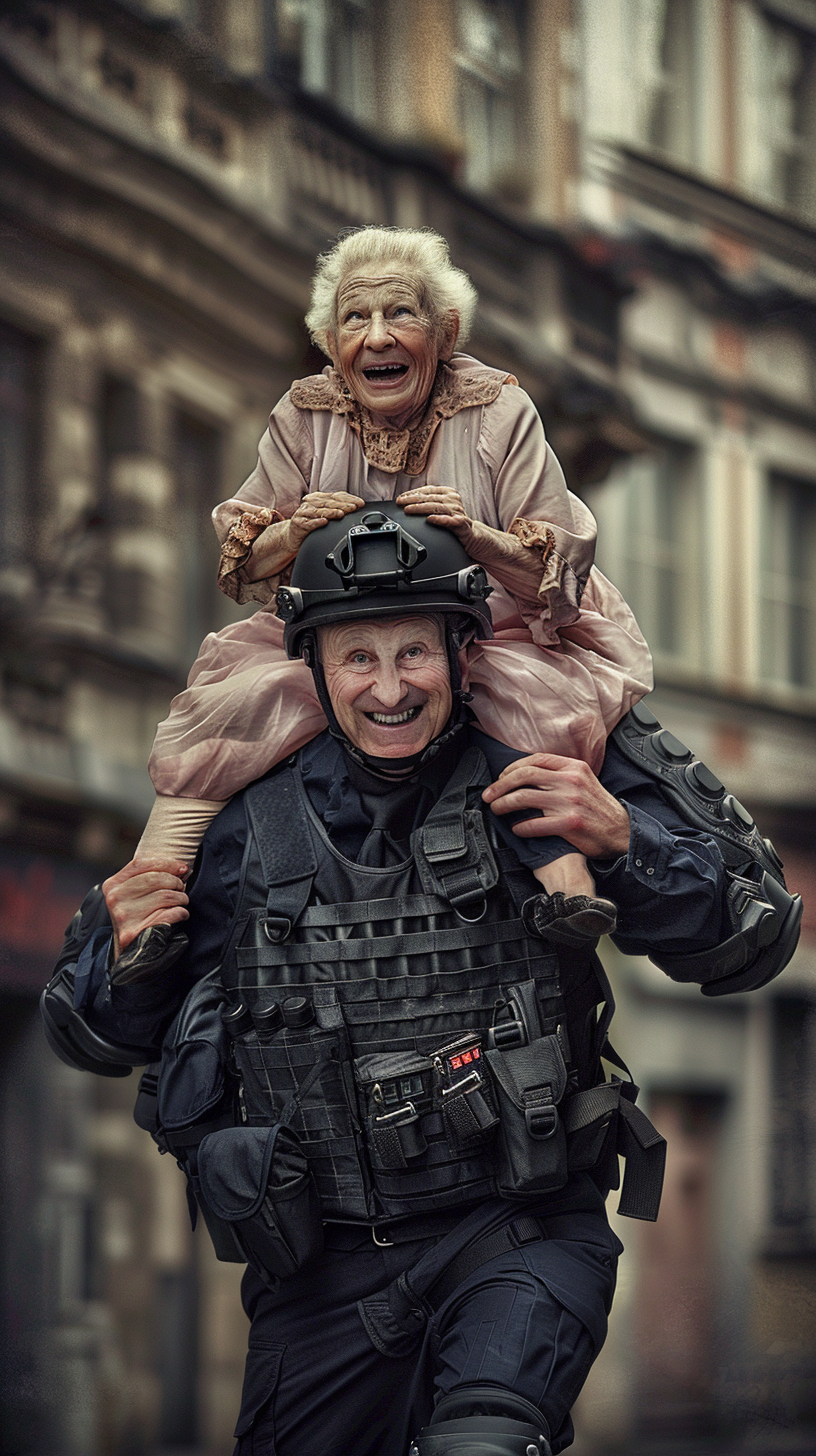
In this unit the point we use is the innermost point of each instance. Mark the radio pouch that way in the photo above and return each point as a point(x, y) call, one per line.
point(532, 1147)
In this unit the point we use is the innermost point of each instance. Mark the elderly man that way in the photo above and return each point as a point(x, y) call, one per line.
point(384, 1080)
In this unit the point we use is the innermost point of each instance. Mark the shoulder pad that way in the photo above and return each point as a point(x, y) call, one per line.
point(765, 918)
point(695, 791)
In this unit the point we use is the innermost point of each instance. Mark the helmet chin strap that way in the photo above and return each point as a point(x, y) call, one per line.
point(395, 768)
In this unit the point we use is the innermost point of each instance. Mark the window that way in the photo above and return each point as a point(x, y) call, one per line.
point(17, 402)
point(793, 1132)
point(779, 112)
point(488, 60)
point(788, 589)
point(334, 43)
point(667, 64)
point(650, 545)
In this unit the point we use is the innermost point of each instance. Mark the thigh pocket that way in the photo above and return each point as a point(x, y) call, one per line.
point(261, 1376)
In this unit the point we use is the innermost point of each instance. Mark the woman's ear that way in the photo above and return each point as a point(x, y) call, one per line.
point(449, 334)
point(331, 348)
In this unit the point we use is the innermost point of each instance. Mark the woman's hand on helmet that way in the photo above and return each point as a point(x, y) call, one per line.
point(517, 567)
point(442, 505)
point(317, 510)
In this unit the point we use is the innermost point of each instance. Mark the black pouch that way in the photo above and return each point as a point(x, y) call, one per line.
point(257, 1180)
point(465, 1093)
point(397, 1090)
point(532, 1146)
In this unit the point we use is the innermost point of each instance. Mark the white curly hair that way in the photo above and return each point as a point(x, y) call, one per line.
point(424, 251)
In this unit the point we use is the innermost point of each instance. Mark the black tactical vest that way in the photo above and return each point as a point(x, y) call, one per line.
point(412, 1032)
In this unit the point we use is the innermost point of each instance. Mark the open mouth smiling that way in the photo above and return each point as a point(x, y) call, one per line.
point(394, 720)
point(384, 373)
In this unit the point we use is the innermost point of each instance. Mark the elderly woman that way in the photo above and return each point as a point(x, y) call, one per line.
point(400, 415)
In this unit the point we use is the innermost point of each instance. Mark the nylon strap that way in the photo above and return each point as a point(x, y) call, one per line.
point(511, 1236)
point(644, 1149)
point(288, 860)
point(416, 943)
point(452, 850)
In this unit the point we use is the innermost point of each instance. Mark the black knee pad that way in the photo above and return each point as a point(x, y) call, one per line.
point(483, 1420)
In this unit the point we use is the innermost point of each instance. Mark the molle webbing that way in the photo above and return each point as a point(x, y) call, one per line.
point(397, 972)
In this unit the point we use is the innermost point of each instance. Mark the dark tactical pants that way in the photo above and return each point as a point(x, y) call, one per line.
point(531, 1320)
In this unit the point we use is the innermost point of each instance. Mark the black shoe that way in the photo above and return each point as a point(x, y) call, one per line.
point(154, 951)
point(576, 920)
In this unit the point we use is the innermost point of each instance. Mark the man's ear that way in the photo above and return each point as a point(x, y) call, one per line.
point(449, 334)
point(464, 667)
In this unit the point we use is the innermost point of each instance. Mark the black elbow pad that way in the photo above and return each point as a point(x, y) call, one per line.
point(765, 917)
point(765, 922)
point(65, 1030)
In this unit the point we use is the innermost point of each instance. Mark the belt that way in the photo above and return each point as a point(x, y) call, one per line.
point(404, 1231)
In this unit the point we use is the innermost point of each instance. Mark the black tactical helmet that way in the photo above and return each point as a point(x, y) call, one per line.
point(379, 562)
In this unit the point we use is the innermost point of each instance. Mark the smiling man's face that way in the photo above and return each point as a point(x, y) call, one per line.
point(388, 682)
point(386, 346)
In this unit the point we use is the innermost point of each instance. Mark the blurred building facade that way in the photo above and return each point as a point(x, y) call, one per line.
point(631, 185)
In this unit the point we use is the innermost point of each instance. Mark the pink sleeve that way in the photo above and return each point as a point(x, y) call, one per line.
point(533, 502)
point(281, 477)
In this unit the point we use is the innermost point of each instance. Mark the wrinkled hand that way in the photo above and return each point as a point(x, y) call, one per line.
point(442, 505)
point(574, 804)
point(317, 510)
point(145, 892)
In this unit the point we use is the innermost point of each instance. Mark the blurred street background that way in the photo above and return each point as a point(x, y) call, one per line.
point(631, 184)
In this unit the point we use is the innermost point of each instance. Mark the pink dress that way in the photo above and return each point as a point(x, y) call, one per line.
point(563, 668)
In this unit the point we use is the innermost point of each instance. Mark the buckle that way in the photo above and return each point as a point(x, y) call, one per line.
point(277, 928)
point(541, 1122)
point(381, 1243)
point(504, 1035)
point(462, 902)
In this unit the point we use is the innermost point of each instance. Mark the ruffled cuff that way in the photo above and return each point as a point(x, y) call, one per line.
point(236, 551)
point(560, 589)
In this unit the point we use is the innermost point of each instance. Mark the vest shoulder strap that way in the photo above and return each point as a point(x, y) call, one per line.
point(452, 850)
point(280, 826)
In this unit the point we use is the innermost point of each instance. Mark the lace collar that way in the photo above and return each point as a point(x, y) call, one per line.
point(402, 451)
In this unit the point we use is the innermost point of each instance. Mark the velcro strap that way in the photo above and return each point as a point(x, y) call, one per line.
point(644, 1149)
point(281, 829)
point(586, 1108)
point(444, 839)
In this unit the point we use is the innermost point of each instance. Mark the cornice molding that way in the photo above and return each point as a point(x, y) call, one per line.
point(693, 198)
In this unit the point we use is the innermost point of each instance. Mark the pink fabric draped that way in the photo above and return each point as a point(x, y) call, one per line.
point(246, 706)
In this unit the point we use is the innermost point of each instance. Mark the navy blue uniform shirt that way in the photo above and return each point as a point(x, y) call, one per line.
point(669, 887)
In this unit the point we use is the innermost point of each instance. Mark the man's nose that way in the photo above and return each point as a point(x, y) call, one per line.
point(379, 334)
point(388, 687)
